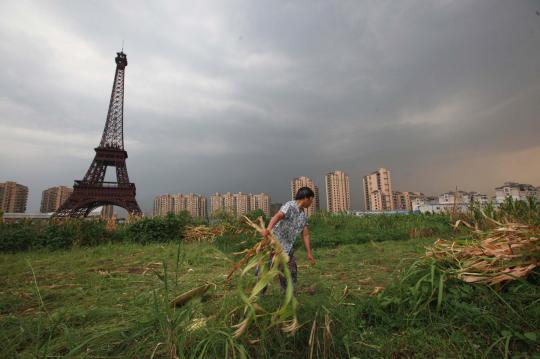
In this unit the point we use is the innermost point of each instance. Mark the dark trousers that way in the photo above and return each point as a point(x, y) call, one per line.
point(293, 269)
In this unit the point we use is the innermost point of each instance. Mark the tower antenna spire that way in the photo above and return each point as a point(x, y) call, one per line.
point(122, 46)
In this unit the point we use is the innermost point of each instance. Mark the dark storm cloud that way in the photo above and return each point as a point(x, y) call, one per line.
point(244, 96)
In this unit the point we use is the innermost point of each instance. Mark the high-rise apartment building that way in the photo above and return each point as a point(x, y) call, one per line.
point(196, 205)
point(260, 201)
point(216, 204)
point(176, 203)
point(163, 204)
point(241, 201)
point(179, 203)
point(303, 181)
point(229, 204)
point(13, 197)
point(203, 207)
point(52, 198)
point(378, 191)
point(338, 195)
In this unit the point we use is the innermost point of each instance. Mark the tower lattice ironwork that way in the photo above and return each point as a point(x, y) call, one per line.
point(92, 191)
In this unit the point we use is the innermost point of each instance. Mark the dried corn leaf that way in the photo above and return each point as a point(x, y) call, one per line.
point(503, 254)
point(189, 295)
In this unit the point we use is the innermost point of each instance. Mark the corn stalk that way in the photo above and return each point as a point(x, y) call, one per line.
point(271, 260)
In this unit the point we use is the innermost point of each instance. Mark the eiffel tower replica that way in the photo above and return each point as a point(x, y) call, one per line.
point(92, 191)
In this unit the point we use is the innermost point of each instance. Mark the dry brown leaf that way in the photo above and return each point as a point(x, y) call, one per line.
point(376, 290)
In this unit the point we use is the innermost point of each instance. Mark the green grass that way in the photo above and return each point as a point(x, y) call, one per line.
point(330, 231)
point(78, 294)
point(112, 300)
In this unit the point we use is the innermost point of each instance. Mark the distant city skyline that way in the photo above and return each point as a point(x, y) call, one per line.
point(409, 196)
point(245, 96)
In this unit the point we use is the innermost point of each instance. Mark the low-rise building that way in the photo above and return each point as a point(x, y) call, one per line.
point(462, 197)
point(403, 201)
point(453, 197)
point(516, 191)
point(478, 198)
point(378, 213)
point(442, 207)
point(10, 217)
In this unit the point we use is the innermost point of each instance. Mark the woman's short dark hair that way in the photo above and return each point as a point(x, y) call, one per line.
point(304, 192)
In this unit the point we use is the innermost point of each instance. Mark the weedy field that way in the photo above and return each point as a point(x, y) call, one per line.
point(367, 296)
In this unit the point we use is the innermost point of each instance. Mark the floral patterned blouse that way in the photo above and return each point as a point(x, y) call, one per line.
point(288, 229)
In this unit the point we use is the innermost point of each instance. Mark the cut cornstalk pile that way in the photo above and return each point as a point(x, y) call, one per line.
point(270, 259)
point(509, 252)
point(202, 233)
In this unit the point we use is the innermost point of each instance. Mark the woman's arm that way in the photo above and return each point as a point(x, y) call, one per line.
point(277, 217)
point(307, 244)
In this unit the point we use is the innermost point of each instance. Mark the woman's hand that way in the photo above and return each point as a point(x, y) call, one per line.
point(310, 258)
point(307, 244)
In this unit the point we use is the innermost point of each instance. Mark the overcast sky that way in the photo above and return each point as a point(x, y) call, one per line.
point(246, 95)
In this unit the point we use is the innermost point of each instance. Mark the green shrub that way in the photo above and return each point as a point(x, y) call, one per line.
point(159, 229)
point(92, 233)
point(26, 235)
point(57, 236)
point(19, 236)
